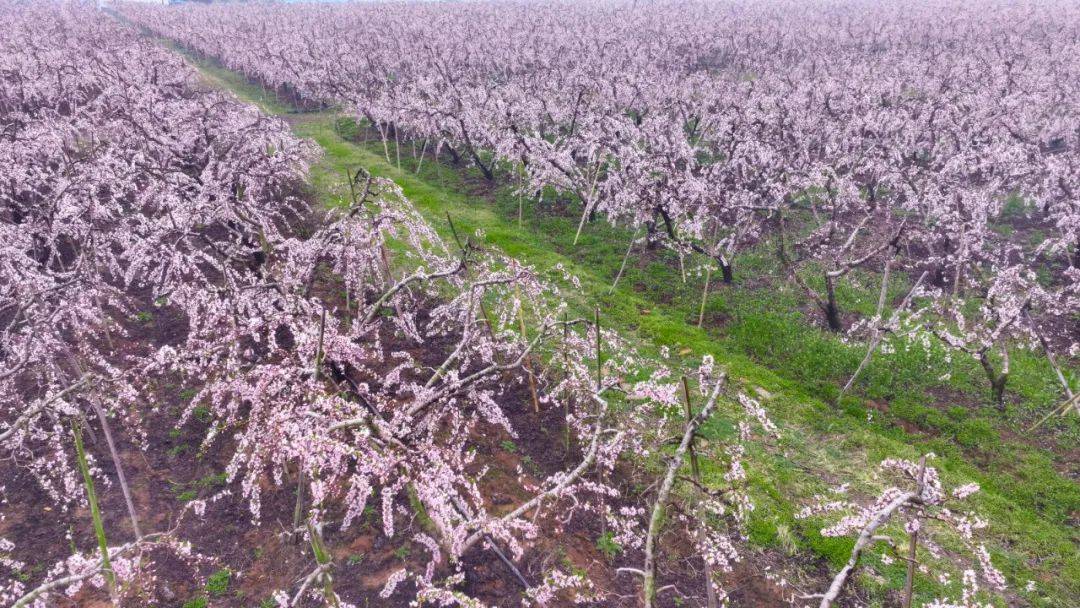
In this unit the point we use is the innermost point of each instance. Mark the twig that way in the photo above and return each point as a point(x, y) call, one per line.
point(525, 336)
point(599, 363)
point(34, 411)
point(100, 566)
point(555, 490)
point(419, 275)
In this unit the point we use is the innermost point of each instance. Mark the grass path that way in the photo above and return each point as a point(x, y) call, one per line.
point(821, 445)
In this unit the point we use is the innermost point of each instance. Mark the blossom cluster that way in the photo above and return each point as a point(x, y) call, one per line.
point(927, 504)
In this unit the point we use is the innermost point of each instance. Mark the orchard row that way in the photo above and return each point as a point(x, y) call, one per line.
point(935, 137)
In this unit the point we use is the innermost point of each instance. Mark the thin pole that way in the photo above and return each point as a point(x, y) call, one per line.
point(119, 471)
point(704, 297)
point(622, 267)
point(525, 337)
point(298, 510)
point(913, 541)
point(599, 368)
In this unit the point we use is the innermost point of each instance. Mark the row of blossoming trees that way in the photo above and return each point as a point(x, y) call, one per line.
point(348, 361)
point(346, 358)
point(869, 137)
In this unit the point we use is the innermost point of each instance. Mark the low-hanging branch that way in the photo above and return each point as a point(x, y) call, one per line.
point(564, 481)
point(28, 416)
point(417, 276)
point(866, 538)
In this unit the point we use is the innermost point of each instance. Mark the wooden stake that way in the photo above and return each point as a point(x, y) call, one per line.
point(521, 203)
point(599, 366)
point(422, 151)
point(453, 231)
point(622, 266)
point(704, 296)
point(525, 337)
point(695, 470)
point(385, 146)
point(397, 148)
point(913, 541)
point(566, 403)
point(119, 470)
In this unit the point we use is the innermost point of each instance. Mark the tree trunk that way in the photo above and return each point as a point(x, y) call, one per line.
point(648, 587)
point(999, 391)
point(454, 156)
point(650, 235)
point(728, 273)
point(489, 175)
point(997, 380)
point(832, 311)
point(866, 538)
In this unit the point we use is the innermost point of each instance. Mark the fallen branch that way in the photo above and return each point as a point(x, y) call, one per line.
point(1063, 408)
point(1050, 355)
